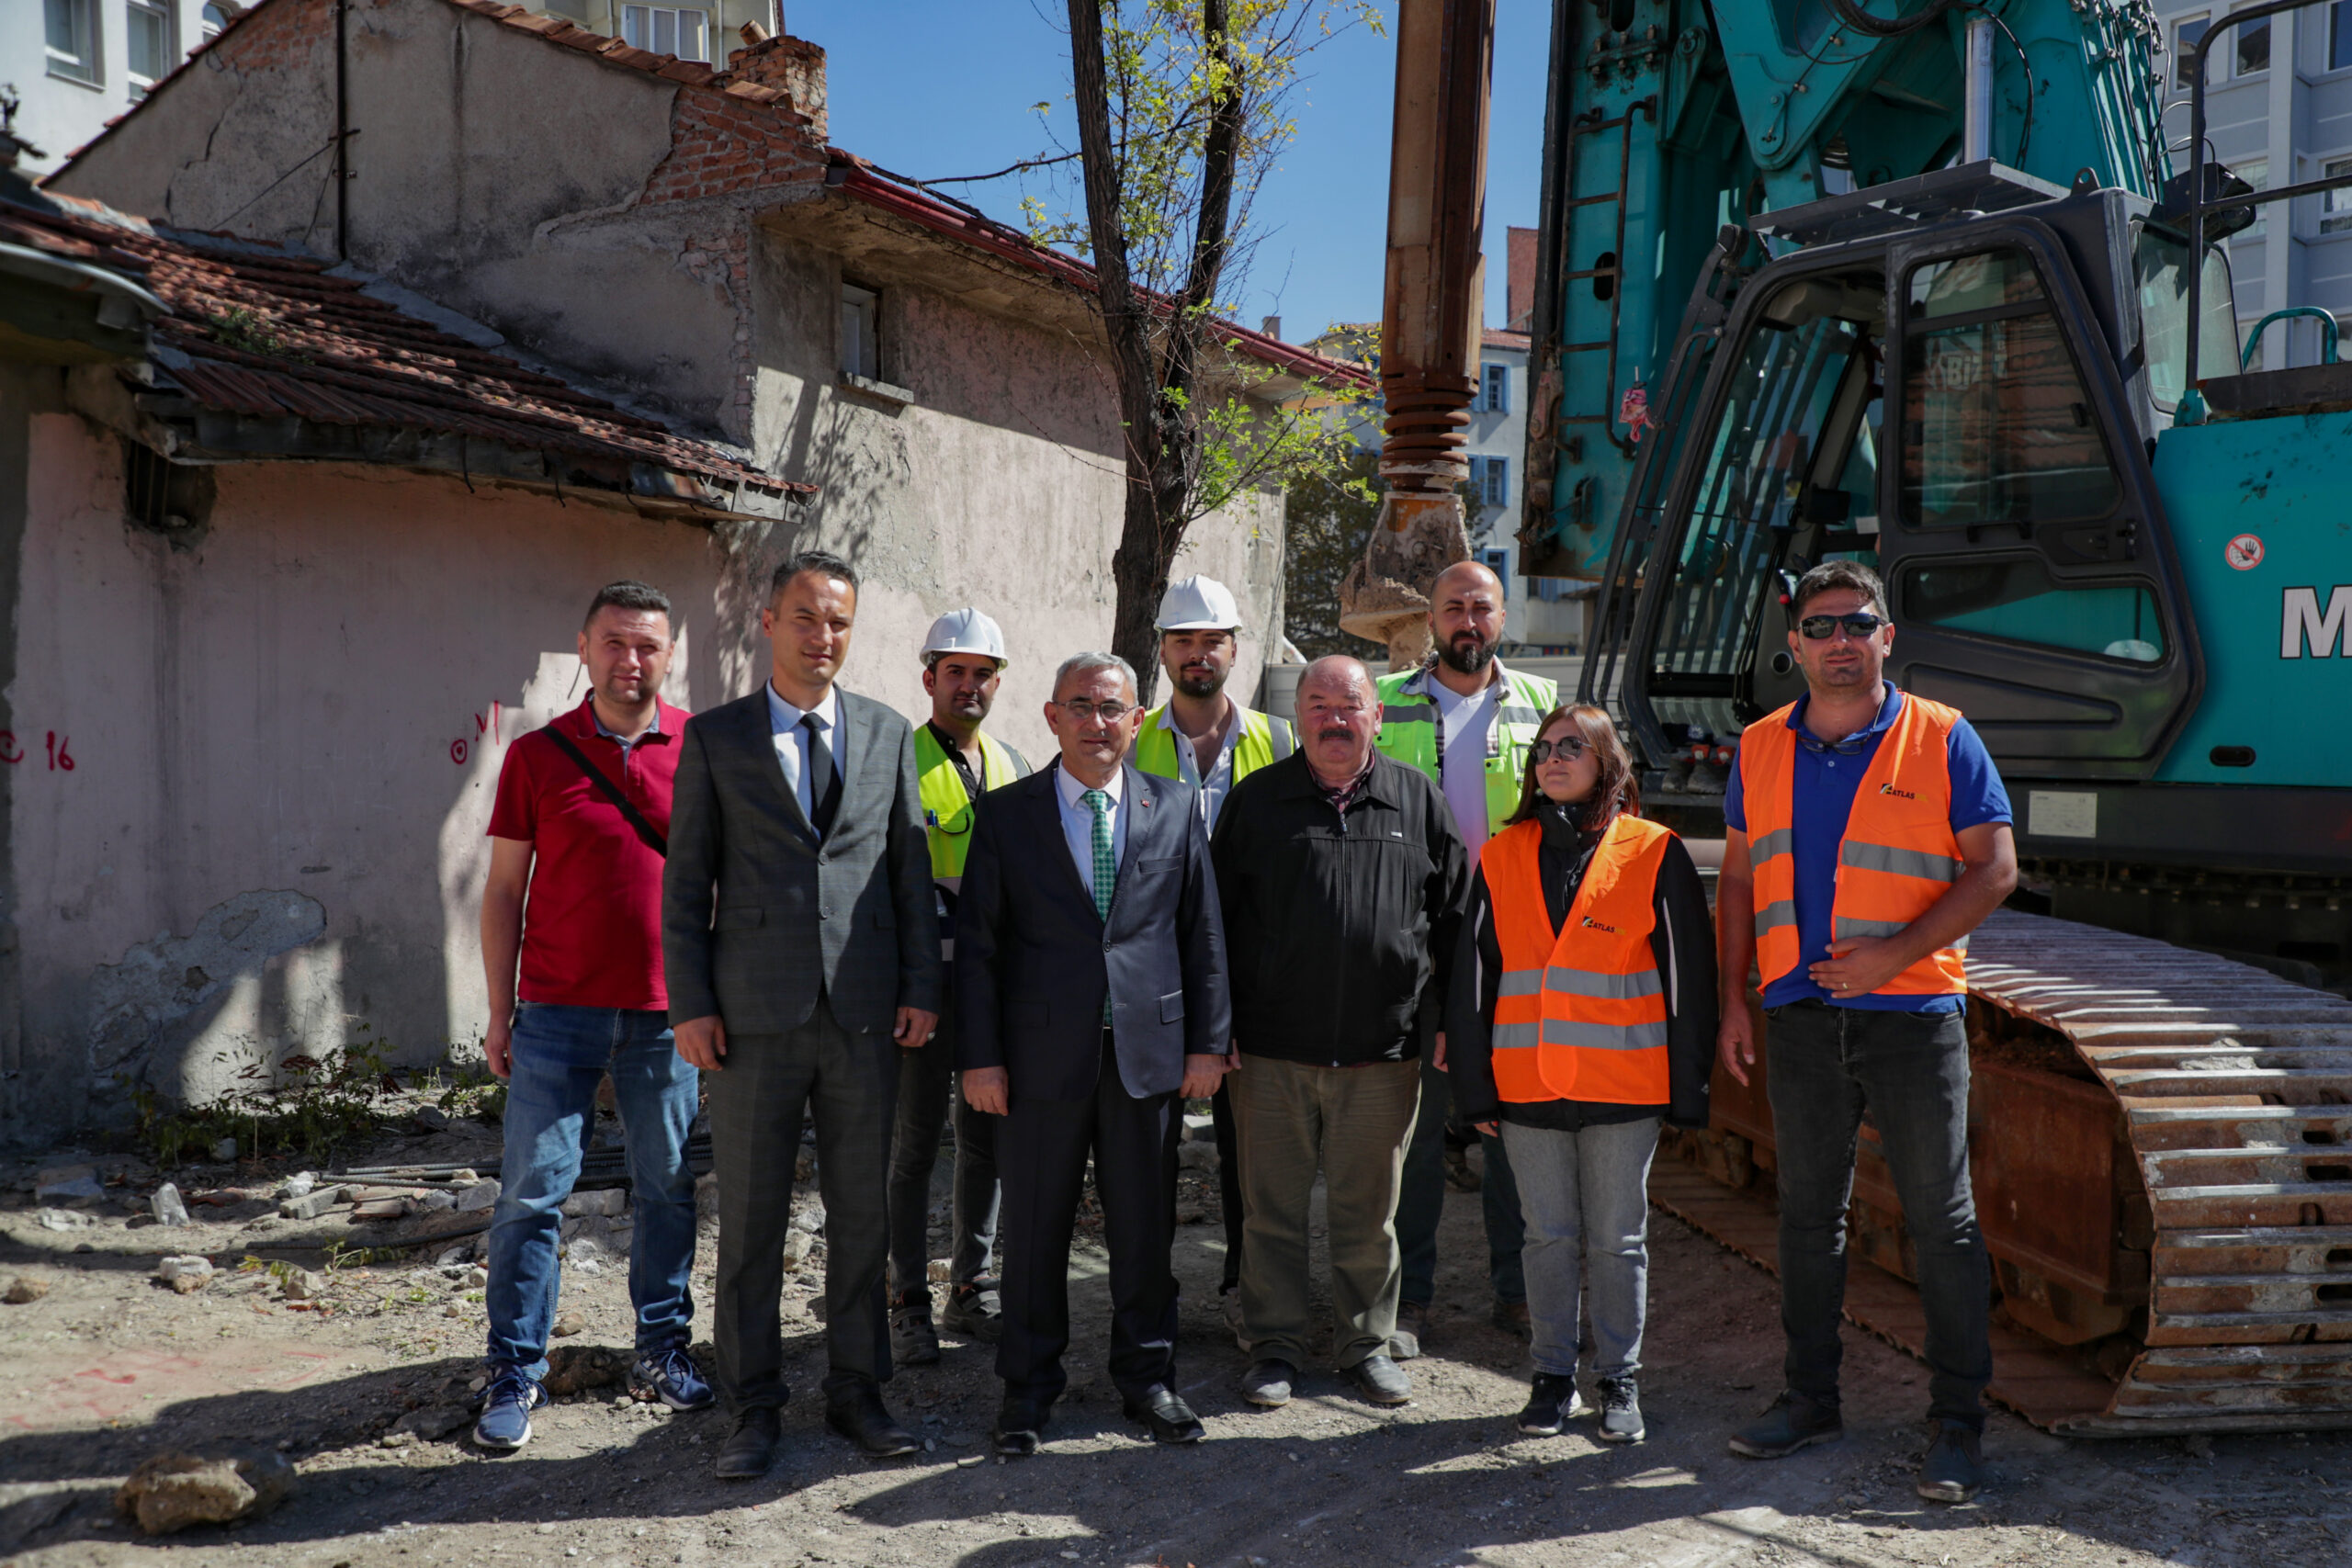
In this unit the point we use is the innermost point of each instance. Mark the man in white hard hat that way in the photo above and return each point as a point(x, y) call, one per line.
point(963, 659)
point(1210, 742)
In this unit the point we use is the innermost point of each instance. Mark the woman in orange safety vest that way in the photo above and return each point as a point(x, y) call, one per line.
point(1582, 1018)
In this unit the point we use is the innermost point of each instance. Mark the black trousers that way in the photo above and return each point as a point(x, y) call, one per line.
point(766, 1082)
point(1041, 1154)
point(1228, 1182)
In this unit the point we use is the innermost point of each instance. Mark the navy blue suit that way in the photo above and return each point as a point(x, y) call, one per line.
point(1034, 962)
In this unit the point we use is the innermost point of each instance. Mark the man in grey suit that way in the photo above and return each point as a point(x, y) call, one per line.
point(800, 943)
point(1089, 996)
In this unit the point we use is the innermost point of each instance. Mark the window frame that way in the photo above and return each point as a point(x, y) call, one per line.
point(1496, 559)
point(2339, 36)
point(652, 12)
point(867, 302)
point(87, 69)
point(1906, 572)
point(2203, 21)
point(162, 16)
point(2239, 37)
point(2330, 164)
point(1494, 387)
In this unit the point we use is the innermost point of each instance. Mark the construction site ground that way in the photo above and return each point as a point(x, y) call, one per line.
point(110, 1367)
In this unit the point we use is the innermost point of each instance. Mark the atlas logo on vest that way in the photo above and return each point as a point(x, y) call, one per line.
point(1898, 794)
point(1600, 926)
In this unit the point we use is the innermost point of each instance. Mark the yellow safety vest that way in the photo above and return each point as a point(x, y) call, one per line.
point(947, 808)
point(1408, 732)
point(1263, 739)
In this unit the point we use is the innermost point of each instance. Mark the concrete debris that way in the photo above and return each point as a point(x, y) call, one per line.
point(68, 1184)
point(310, 1205)
point(169, 1209)
point(304, 1285)
point(433, 1200)
point(1196, 1156)
point(809, 1217)
point(435, 1422)
point(432, 1119)
point(939, 1270)
point(65, 1220)
point(479, 1279)
point(481, 1195)
point(382, 1209)
point(174, 1491)
point(59, 1175)
point(225, 1151)
point(606, 1200)
point(1200, 1129)
point(397, 1440)
point(186, 1274)
point(301, 1184)
point(569, 1324)
point(26, 1288)
point(454, 1258)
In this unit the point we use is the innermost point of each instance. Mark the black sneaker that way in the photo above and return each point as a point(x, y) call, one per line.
point(1552, 1405)
point(1621, 1412)
point(1954, 1467)
point(1794, 1422)
point(974, 1312)
point(914, 1341)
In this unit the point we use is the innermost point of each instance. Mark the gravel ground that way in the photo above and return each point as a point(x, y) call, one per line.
point(109, 1366)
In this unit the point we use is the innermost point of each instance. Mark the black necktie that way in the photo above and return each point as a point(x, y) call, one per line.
point(824, 780)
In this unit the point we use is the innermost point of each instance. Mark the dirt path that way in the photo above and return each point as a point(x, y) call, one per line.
point(108, 1368)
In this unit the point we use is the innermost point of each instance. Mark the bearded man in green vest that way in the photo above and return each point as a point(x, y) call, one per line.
point(1467, 722)
point(1210, 742)
point(955, 764)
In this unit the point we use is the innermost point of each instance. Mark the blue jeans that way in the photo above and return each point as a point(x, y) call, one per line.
point(1586, 1195)
point(1421, 1201)
point(560, 1053)
point(1827, 1067)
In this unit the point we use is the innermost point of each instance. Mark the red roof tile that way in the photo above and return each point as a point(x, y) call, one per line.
point(263, 332)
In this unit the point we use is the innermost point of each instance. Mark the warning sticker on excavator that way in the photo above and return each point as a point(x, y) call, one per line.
point(2060, 814)
point(2244, 552)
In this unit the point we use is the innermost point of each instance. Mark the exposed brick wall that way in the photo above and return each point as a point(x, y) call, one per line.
point(791, 65)
point(275, 37)
point(726, 142)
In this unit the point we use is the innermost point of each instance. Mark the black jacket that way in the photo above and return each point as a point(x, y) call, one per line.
point(1683, 942)
point(1334, 926)
point(1034, 961)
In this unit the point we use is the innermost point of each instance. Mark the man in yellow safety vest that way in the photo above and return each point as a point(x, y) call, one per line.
point(956, 765)
point(1210, 742)
point(1467, 722)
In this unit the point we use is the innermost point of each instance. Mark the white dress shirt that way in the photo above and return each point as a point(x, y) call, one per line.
point(1078, 820)
point(1469, 726)
point(1219, 782)
point(792, 742)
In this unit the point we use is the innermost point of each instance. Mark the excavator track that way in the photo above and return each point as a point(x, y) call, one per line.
point(2223, 1249)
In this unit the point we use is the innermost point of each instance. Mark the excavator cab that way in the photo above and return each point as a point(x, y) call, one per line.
point(1958, 380)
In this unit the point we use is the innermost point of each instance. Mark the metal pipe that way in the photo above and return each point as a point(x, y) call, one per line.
point(1976, 126)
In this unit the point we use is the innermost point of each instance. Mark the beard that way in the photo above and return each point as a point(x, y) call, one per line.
point(1466, 655)
point(1197, 685)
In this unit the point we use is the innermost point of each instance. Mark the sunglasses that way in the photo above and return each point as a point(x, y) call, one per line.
point(1567, 748)
point(1860, 624)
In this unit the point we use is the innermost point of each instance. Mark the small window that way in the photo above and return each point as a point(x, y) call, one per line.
point(2016, 601)
point(1498, 562)
point(2336, 206)
point(213, 19)
point(666, 32)
point(1998, 426)
point(861, 337)
point(2186, 34)
point(147, 33)
point(1490, 481)
point(2339, 35)
point(72, 34)
point(2161, 263)
point(2250, 50)
point(1494, 393)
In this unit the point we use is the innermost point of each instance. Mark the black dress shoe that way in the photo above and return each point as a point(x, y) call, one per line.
point(1020, 1427)
point(1170, 1419)
point(858, 1415)
point(748, 1452)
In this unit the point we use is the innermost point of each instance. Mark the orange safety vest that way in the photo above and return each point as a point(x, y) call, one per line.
point(1898, 858)
point(1581, 1014)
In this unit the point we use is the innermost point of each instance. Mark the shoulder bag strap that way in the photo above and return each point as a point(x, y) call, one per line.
point(605, 786)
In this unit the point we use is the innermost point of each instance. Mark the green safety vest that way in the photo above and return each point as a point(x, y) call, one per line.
point(946, 807)
point(1263, 739)
point(1408, 726)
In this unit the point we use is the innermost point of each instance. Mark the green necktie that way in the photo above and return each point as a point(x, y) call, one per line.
point(1106, 865)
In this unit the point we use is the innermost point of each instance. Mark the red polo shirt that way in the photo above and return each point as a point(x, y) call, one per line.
point(592, 925)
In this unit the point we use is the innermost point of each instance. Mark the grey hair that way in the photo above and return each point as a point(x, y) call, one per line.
point(1086, 663)
point(1336, 669)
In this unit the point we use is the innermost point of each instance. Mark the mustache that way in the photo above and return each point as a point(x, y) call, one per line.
point(1334, 732)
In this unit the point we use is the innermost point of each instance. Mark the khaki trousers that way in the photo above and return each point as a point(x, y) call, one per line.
point(1351, 1123)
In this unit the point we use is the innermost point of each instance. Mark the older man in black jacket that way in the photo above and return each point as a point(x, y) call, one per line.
point(1343, 878)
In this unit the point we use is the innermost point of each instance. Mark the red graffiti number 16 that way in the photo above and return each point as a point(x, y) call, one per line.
point(59, 759)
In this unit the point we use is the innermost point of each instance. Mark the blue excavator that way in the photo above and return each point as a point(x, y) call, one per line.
point(1939, 284)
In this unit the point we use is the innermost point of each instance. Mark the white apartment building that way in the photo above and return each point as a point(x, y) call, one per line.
point(73, 65)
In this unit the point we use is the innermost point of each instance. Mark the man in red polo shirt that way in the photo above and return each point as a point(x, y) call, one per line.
point(578, 838)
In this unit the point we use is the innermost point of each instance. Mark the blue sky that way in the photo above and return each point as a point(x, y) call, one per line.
point(933, 88)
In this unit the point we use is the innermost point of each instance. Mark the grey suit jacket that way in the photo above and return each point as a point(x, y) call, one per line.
point(758, 917)
point(1033, 962)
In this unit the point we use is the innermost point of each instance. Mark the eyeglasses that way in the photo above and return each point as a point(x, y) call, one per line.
point(1081, 710)
point(1567, 748)
point(1860, 624)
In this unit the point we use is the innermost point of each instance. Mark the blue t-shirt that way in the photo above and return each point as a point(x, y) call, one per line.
point(1822, 798)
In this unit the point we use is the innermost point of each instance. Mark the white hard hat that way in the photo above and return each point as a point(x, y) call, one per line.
point(1198, 604)
point(965, 631)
